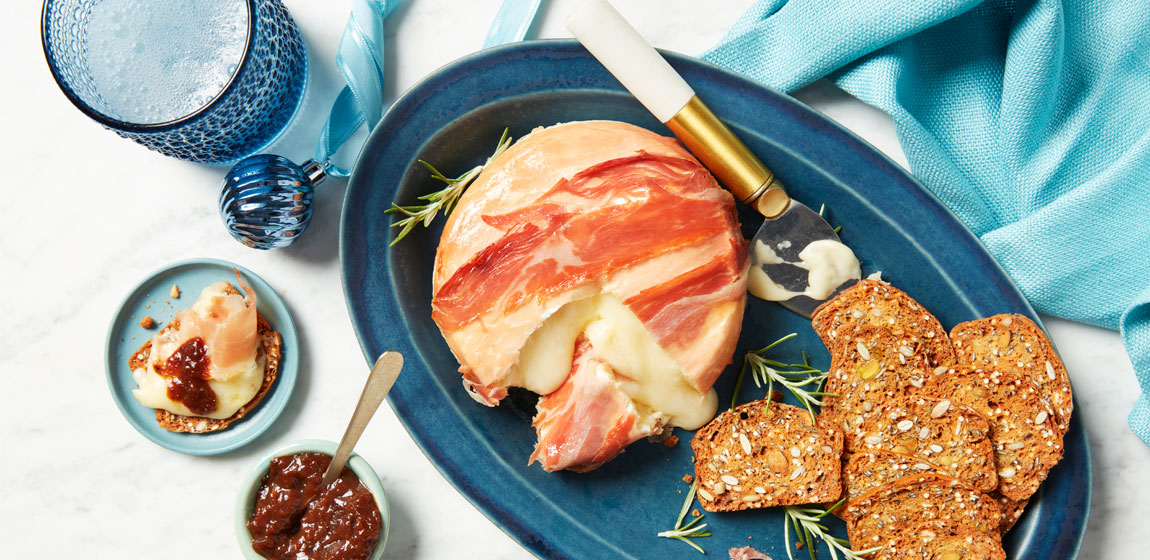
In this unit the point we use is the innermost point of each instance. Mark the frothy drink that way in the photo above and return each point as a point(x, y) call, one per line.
point(156, 61)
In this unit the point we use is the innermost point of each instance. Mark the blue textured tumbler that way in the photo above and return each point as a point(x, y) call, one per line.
point(209, 81)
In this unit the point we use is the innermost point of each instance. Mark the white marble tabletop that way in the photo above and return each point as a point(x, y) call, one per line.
point(89, 215)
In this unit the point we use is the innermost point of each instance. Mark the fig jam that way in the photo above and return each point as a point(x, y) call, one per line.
point(342, 521)
point(187, 373)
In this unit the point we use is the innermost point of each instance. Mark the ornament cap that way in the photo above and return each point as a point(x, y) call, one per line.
point(315, 172)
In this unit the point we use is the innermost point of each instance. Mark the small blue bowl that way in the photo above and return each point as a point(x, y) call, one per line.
point(249, 487)
point(151, 297)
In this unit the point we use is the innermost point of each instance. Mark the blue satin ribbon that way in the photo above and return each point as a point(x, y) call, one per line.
point(360, 61)
point(511, 22)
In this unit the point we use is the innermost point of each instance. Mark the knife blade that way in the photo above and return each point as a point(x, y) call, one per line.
point(797, 259)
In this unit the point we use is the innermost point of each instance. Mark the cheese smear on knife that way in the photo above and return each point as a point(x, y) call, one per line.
point(828, 262)
point(228, 325)
point(599, 265)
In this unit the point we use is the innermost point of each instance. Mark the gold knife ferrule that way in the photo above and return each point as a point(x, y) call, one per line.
point(728, 158)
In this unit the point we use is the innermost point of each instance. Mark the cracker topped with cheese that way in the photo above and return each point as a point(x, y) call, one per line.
point(211, 364)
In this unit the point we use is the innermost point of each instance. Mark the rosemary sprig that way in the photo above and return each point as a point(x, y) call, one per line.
point(808, 527)
point(795, 377)
point(822, 207)
point(692, 529)
point(770, 372)
point(743, 370)
point(440, 200)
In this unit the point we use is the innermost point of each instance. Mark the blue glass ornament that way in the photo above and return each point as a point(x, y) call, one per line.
point(266, 201)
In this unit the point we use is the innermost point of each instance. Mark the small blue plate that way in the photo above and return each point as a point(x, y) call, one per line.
point(453, 119)
point(151, 297)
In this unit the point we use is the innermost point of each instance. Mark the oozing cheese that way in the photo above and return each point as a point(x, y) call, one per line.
point(643, 370)
point(234, 381)
point(545, 360)
point(241, 386)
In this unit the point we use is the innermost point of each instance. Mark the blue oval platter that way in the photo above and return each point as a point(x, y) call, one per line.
point(454, 117)
point(151, 297)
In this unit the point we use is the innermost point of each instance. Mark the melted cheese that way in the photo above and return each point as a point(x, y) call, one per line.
point(242, 384)
point(235, 380)
point(546, 358)
point(643, 370)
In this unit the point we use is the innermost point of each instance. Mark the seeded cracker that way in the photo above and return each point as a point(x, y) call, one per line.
point(950, 435)
point(1013, 343)
point(871, 367)
point(764, 454)
point(874, 302)
point(1012, 511)
point(1026, 439)
point(920, 464)
point(927, 508)
point(914, 546)
point(868, 470)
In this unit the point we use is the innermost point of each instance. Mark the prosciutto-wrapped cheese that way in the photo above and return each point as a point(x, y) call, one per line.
point(599, 265)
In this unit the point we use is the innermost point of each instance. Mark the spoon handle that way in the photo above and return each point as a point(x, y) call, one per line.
point(383, 375)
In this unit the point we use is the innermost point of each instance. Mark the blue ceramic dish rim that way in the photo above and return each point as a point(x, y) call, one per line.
point(285, 380)
point(245, 496)
point(529, 539)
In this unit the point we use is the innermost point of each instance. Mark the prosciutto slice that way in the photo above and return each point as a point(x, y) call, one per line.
point(747, 553)
point(227, 322)
point(570, 212)
point(588, 420)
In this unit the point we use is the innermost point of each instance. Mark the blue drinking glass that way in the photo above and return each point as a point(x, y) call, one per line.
point(209, 81)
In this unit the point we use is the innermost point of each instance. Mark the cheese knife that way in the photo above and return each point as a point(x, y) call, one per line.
point(796, 257)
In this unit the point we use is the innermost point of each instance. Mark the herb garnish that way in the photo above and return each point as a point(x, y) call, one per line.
point(440, 200)
point(795, 377)
point(822, 207)
point(692, 529)
point(808, 527)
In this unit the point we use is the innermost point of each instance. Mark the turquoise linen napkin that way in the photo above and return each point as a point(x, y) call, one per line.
point(1030, 119)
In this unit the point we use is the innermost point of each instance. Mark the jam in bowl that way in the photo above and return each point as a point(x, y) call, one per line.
point(281, 511)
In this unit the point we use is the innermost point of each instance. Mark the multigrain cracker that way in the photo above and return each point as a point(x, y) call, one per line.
point(764, 454)
point(921, 545)
point(874, 302)
point(1013, 343)
point(988, 415)
point(939, 504)
point(1011, 510)
point(868, 470)
point(271, 348)
point(870, 367)
point(1026, 438)
point(952, 436)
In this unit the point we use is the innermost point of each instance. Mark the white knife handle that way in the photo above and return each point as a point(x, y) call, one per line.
point(630, 58)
